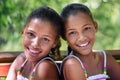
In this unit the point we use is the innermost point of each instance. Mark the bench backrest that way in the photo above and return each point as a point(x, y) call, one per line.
point(6, 58)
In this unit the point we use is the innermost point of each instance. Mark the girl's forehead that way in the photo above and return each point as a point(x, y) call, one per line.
point(78, 19)
point(79, 15)
point(39, 26)
point(39, 23)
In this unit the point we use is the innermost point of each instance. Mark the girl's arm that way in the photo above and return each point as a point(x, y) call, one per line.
point(47, 71)
point(113, 68)
point(72, 70)
point(12, 74)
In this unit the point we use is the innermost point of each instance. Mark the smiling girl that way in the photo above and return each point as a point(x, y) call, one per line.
point(83, 63)
point(39, 37)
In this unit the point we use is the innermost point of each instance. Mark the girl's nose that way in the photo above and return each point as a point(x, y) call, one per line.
point(35, 43)
point(81, 37)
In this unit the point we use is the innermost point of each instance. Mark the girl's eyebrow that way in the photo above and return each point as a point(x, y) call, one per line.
point(86, 24)
point(69, 29)
point(30, 29)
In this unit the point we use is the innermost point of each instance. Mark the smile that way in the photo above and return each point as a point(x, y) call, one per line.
point(83, 45)
point(33, 52)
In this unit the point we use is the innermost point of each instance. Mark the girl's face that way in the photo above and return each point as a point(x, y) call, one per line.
point(38, 38)
point(80, 33)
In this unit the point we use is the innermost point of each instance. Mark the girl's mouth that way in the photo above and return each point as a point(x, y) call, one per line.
point(34, 52)
point(83, 45)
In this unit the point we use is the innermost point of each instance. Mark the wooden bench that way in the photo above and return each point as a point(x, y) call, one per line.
point(6, 58)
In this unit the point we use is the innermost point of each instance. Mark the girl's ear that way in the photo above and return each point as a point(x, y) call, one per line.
point(57, 42)
point(22, 31)
point(96, 26)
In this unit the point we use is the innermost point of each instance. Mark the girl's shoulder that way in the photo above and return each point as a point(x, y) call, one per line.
point(71, 62)
point(113, 68)
point(106, 57)
point(47, 68)
point(111, 61)
point(46, 62)
point(14, 67)
point(19, 61)
point(20, 58)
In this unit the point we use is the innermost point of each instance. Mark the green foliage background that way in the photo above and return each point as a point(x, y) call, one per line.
point(13, 14)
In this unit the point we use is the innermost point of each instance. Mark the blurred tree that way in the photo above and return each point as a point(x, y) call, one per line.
point(13, 16)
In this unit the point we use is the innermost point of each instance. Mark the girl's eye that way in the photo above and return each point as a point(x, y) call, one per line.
point(71, 33)
point(87, 28)
point(46, 40)
point(30, 35)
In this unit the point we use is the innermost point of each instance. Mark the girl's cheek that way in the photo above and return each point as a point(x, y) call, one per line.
point(26, 41)
point(71, 40)
point(72, 37)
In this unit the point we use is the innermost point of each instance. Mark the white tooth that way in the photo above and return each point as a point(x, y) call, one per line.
point(84, 44)
point(33, 51)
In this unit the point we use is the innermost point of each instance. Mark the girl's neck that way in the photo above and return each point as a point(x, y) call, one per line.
point(32, 63)
point(92, 56)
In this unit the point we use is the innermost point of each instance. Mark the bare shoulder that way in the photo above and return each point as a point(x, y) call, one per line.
point(113, 68)
point(71, 64)
point(47, 70)
point(70, 67)
point(21, 57)
point(71, 61)
point(19, 60)
point(15, 65)
point(111, 62)
point(46, 64)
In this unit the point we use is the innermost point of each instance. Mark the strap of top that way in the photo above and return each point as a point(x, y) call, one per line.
point(32, 74)
point(21, 68)
point(103, 52)
point(46, 58)
point(24, 63)
point(104, 58)
point(71, 55)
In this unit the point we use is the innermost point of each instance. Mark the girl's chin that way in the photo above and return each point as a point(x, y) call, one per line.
point(86, 52)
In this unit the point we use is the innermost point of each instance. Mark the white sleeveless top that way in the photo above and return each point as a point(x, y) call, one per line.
point(20, 77)
point(94, 77)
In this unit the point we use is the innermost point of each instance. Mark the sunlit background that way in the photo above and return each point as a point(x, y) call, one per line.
point(13, 14)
